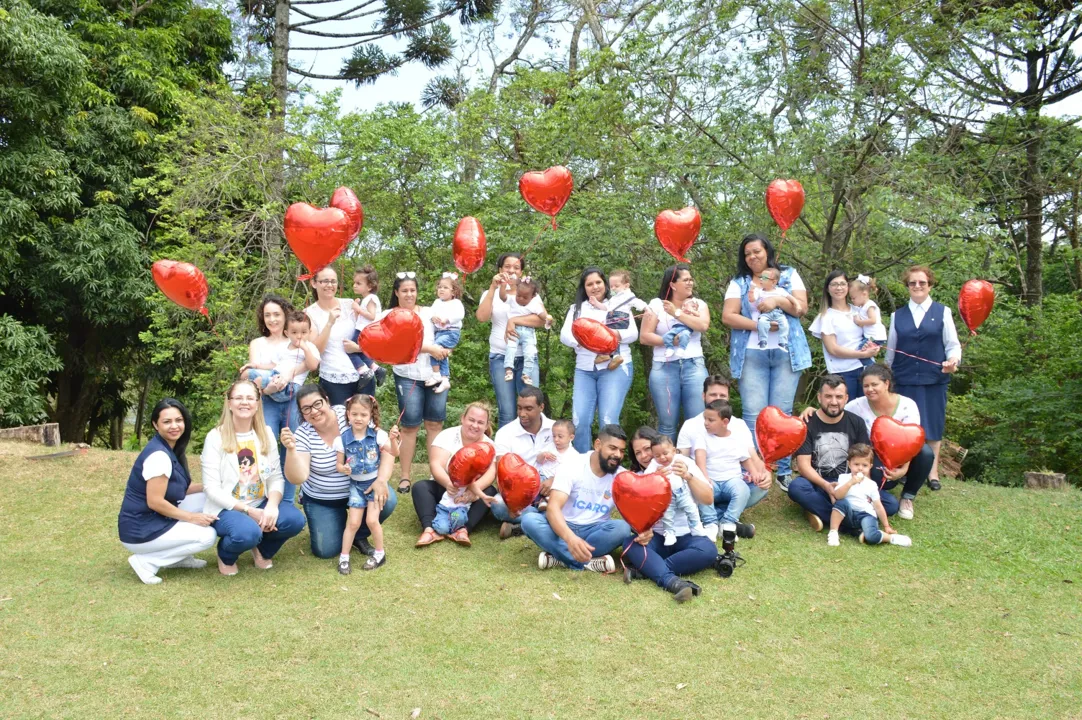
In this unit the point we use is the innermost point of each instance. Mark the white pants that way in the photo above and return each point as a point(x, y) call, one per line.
point(179, 541)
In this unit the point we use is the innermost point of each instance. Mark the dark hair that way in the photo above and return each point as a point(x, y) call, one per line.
point(742, 268)
point(298, 316)
point(580, 292)
point(660, 440)
point(529, 284)
point(565, 424)
point(181, 447)
point(370, 276)
point(643, 433)
point(267, 299)
point(312, 281)
point(716, 379)
point(612, 432)
point(834, 275)
point(312, 388)
point(831, 381)
point(503, 257)
point(860, 450)
point(882, 372)
point(722, 408)
point(393, 302)
point(670, 276)
point(456, 285)
point(369, 403)
point(532, 391)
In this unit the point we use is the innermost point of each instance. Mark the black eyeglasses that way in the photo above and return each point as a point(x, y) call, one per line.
point(309, 409)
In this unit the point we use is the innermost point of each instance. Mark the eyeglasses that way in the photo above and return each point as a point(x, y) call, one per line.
point(309, 409)
point(245, 398)
point(326, 283)
point(406, 275)
point(835, 285)
point(449, 276)
point(917, 283)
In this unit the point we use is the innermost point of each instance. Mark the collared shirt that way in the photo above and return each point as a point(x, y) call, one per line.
point(513, 438)
point(951, 345)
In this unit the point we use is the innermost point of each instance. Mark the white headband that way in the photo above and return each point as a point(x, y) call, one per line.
point(863, 279)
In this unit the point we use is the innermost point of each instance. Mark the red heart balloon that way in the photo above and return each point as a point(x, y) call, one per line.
point(975, 303)
point(469, 246)
point(677, 230)
point(344, 199)
point(785, 200)
point(597, 337)
point(896, 443)
point(183, 283)
point(395, 339)
point(546, 191)
point(470, 463)
point(316, 235)
point(641, 499)
point(779, 435)
point(519, 482)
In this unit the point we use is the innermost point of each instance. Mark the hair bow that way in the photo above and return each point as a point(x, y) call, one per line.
point(450, 276)
point(525, 279)
point(863, 279)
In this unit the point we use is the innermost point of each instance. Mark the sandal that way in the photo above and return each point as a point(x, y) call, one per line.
point(404, 486)
point(371, 563)
point(462, 537)
point(428, 537)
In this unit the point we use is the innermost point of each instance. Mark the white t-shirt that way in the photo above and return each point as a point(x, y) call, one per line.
point(377, 307)
point(450, 311)
point(421, 368)
point(584, 359)
point(665, 321)
point(290, 359)
point(732, 292)
point(680, 521)
point(548, 470)
point(626, 301)
point(334, 364)
point(382, 439)
point(905, 412)
point(157, 464)
point(693, 430)
point(724, 455)
point(759, 293)
point(877, 332)
point(497, 343)
point(512, 438)
point(861, 496)
point(451, 441)
point(534, 307)
point(589, 497)
point(846, 333)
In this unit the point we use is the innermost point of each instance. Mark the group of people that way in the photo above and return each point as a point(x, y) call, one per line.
point(278, 433)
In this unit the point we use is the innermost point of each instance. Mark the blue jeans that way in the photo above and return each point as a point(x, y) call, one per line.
point(527, 342)
point(360, 492)
point(812, 498)
point(852, 382)
point(603, 536)
point(278, 415)
point(682, 501)
point(662, 564)
point(262, 378)
point(450, 519)
point(600, 390)
point(507, 390)
point(417, 401)
point(731, 498)
point(678, 330)
point(762, 327)
point(326, 523)
point(359, 358)
point(767, 378)
point(676, 385)
point(503, 514)
point(913, 480)
point(446, 339)
point(240, 533)
point(868, 523)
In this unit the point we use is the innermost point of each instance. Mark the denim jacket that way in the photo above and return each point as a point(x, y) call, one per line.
point(799, 352)
point(362, 455)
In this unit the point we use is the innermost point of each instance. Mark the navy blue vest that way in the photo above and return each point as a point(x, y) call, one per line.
point(925, 341)
point(137, 523)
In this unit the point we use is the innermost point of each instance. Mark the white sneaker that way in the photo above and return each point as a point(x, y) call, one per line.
point(670, 538)
point(711, 531)
point(604, 564)
point(434, 380)
point(191, 563)
point(143, 571)
point(444, 385)
point(900, 540)
point(546, 561)
point(669, 352)
point(832, 539)
point(905, 509)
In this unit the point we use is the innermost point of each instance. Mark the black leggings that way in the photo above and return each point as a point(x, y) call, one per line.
point(426, 496)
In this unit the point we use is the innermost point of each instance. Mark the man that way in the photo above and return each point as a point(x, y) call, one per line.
point(577, 530)
point(693, 436)
point(823, 456)
point(529, 437)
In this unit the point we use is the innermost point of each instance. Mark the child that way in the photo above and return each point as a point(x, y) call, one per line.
point(360, 451)
point(447, 315)
point(682, 501)
point(452, 512)
point(769, 280)
point(367, 308)
point(563, 434)
point(857, 502)
point(866, 313)
point(299, 357)
point(621, 303)
point(524, 304)
point(723, 455)
point(679, 333)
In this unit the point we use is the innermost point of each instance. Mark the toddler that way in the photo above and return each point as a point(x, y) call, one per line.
point(563, 434)
point(769, 280)
point(447, 315)
point(524, 303)
point(360, 454)
point(857, 502)
point(452, 512)
point(866, 313)
point(679, 333)
point(619, 307)
point(682, 501)
point(366, 308)
point(299, 357)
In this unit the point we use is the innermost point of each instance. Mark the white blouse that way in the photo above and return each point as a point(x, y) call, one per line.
point(584, 359)
point(334, 364)
point(846, 333)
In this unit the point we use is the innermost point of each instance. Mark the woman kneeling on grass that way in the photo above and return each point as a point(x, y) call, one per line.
point(244, 484)
point(161, 519)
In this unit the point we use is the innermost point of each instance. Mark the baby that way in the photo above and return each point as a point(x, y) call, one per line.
point(682, 501)
point(679, 334)
point(524, 303)
point(453, 512)
point(563, 434)
point(769, 280)
point(447, 315)
point(857, 501)
point(298, 357)
point(866, 313)
point(619, 307)
point(366, 308)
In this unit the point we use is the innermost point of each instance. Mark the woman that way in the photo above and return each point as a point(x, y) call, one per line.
point(161, 519)
point(427, 494)
point(493, 308)
point(924, 329)
point(770, 375)
point(879, 399)
point(597, 387)
point(676, 378)
point(416, 400)
point(333, 323)
point(840, 335)
point(243, 481)
point(647, 555)
point(312, 460)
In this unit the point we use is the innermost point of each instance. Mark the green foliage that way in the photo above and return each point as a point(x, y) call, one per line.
point(26, 359)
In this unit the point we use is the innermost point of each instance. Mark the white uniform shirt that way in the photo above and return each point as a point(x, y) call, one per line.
point(513, 438)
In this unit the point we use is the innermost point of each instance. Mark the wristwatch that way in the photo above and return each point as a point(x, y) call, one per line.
point(676, 315)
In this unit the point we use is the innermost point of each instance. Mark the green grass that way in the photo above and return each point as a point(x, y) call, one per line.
point(980, 619)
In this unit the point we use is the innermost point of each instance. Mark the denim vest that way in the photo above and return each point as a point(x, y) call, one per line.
point(799, 352)
point(137, 523)
point(362, 455)
point(925, 341)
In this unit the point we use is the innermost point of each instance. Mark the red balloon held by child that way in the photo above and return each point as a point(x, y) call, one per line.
point(641, 499)
point(975, 303)
point(677, 231)
point(519, 482)
point(785, 201)
point(779, 435)
point(547, 191)
point(183, 283)
point(470, 463)
point(395, 339)
point(469, 245)
point(895, 443)
point(595, 336)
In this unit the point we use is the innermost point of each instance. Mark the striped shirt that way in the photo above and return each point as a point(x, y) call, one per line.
point(324, 481)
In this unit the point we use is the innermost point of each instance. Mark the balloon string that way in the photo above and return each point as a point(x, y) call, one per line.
point(538, 237)
point(406, 403)
point(645, 552)
point(225, 347)
point(916, 357)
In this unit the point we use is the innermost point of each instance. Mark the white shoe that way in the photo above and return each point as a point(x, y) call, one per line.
point(604, 564)
point(832, 539)
point(434, 380)
point(670, 538)
point(191, 563)
point(905, 509)
point(900, 540)
point(143, 571)
point(546, 561)
point(444, 385)
point(711, 531)
point(669, 352)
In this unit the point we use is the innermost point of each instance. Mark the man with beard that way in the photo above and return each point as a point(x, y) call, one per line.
point(577, 531)
point(822, 457)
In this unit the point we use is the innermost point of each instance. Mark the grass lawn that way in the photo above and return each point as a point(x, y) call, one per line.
point(979, 619)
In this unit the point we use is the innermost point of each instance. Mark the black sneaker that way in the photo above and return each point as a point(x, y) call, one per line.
point(371, 563)
point(363, 546)
point(695, 589)
point(343, 567)
point(630, 574)
point(381, 375)
point(681, 590)
point(934, 484)
point(366, 376)
point(745, 530)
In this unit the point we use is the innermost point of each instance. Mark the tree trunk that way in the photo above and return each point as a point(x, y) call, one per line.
point(140, 411)
point(1072, 234)
point(280, 58)
point(1031, 183)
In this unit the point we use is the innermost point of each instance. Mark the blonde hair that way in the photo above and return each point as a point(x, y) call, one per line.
point(484, 407)
point(456, 286)
point(869, 286)
point(259, 427)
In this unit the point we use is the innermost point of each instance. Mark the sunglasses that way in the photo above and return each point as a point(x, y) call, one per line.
point(406, 276)
point(917, 283)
